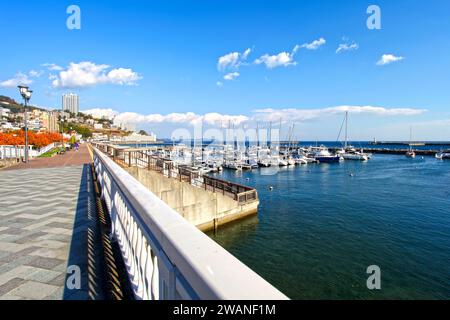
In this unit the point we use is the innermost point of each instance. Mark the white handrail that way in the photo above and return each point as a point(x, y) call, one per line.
point(166, 256)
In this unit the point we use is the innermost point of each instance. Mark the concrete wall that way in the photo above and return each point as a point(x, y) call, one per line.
point(203, 208)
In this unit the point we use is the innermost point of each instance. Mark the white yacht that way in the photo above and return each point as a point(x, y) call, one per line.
point(282, 162)
point(291, 161)
point(349, 152)
point(301, 160)
point(410, 153)
point(443, 155)
point(322, 155)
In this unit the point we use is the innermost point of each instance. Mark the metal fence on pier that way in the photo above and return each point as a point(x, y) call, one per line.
point(141, 158)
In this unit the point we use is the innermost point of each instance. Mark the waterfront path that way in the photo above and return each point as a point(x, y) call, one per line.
point(48, 222)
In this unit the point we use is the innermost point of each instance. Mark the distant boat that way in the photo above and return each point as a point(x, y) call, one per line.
point(349, 152)
point(301, 160)
point(443, 155)
point(246, 166)
point(306, 155)
point(322, 155)
point(410, 153)
point(291, 161)
point(253, 163)
point(233, 165)
point(282, 162)
point(264, 163)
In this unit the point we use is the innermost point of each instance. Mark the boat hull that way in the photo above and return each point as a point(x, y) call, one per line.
point(331, 159)
point(443, 156)
point(355, 157)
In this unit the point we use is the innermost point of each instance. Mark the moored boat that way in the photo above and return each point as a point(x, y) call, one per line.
point(322, 155)
point(350, 153)
point(410, 154)
point(443, 155)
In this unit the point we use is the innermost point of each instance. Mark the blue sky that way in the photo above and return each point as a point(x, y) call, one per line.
point(155, 58)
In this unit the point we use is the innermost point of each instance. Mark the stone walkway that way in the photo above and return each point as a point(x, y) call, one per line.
point(70, 158)
point(48, 223)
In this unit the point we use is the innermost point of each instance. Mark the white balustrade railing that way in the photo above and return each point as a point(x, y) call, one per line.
point(17, 152)
point(13, 152)
point(166, 256)
point(45, 149)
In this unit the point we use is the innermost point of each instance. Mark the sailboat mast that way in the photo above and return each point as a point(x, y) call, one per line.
point(410, 137)
point(346, 129)
point(270, 134)
point(202, 142)
point(257, 133)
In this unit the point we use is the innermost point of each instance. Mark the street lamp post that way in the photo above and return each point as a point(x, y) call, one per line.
point(26, 95)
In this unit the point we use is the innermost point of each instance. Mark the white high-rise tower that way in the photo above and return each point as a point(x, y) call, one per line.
point(70, 103)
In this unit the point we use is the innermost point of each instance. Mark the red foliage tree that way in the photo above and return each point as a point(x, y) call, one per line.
point(39, 140)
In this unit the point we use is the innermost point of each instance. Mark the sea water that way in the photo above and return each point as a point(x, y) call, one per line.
point(322, 225)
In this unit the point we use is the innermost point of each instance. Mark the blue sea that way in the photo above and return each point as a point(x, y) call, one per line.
point(322, 225)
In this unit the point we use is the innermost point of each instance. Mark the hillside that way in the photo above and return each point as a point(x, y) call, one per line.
point(13, 105)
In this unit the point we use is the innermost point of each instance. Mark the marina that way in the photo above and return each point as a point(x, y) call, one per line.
point(340, 207)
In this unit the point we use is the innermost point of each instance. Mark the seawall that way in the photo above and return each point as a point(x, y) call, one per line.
point(205, 209)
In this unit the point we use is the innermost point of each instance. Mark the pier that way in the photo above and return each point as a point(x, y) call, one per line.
point(400, 151)
point(396, 151)
point(79, 226)
point(414, 143)
point(205, 201)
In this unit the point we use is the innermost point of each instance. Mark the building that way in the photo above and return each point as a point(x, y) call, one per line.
point(136, 137)
point(70, 103)
point(50, 121)
point(4, 112)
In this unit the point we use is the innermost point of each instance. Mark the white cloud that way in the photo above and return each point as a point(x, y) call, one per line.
point(125, 119)
point(35, 74)
point(100, 113)
point(231, 76)
point(347, 47)
point(18, 79)
point(123, 76)
point(52, 67)
point(313, 45)
point(219, 83)
point(272, 61)
point(246, 53)
point(188, 118)
point(130, 119)
point(388, 58)
point(87, 74)
point(294, 114)
point(232, 60)
point(282, 59)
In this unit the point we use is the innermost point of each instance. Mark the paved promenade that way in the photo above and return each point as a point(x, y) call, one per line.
point(48, 222)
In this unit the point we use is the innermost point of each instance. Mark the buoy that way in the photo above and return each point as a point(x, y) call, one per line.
point(351, 174)
point(270, 188)
point(247, 179)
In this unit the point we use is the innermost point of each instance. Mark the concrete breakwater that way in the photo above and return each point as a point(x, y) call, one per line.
point(204, 208)
point(396, 151)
